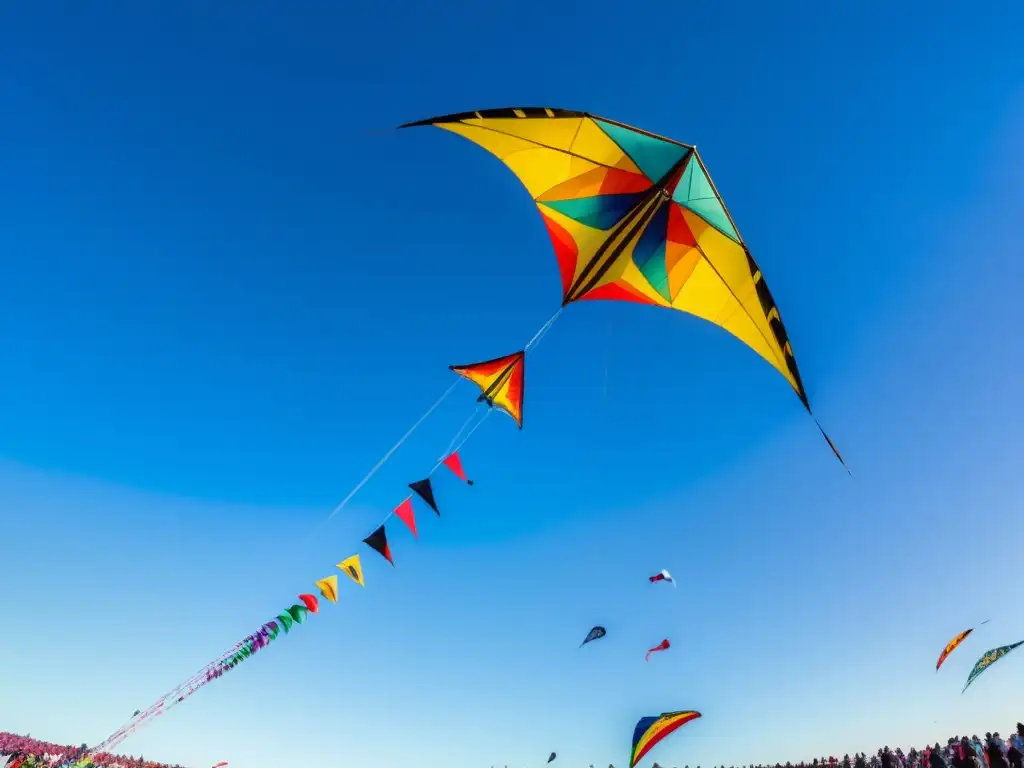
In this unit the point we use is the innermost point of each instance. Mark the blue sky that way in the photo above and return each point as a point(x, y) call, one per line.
point(228, 288)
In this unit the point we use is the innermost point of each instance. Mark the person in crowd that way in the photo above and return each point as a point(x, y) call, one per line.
point(996, 751)
point(1014, 755)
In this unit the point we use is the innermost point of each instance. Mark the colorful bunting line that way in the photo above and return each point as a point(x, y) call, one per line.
point(309, 603)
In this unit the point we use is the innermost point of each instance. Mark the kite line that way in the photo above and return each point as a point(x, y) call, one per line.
point(206, 674)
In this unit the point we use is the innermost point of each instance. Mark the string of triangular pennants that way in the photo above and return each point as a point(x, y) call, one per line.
point(308, 603)
point(351, 566)
point(501, 382)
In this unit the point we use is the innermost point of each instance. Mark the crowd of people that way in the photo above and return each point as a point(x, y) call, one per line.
point(33, 753)
point(959, 752)
point(992, 751)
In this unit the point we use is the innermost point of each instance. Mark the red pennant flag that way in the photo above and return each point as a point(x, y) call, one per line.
point(312, 604)
point(404, 512)
point(454, 463)
point(663, 645)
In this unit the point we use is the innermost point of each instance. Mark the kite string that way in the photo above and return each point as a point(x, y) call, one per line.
point(543, 330)
point(451, 446)
point(384, 459)
point(455, 445)
point(136, 722)
point(132, 724)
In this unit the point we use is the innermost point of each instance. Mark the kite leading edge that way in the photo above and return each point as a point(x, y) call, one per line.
point(635, 217)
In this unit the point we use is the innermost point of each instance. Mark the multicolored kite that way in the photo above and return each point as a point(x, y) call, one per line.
point(663, 576)
point(953, 644)
point(595, 634)
point(651, 730)
point(500, 381)
point(664, 645)
point(635, 217)
point(987, 660)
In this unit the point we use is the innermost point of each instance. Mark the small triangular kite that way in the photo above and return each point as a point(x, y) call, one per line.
point(350, 567)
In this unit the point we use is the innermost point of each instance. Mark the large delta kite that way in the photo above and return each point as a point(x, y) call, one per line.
point(634, 217)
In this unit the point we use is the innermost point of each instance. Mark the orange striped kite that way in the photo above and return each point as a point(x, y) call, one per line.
point(953, 644)
point(500, 381)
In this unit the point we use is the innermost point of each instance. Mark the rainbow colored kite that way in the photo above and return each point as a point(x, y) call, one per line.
point(651, 730)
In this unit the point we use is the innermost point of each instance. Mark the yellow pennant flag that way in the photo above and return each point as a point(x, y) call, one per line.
point(329, 588)
point(351, 568)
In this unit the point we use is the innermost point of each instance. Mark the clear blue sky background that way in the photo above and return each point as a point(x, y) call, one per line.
point(227, 288)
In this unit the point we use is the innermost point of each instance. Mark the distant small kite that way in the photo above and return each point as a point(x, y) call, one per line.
point(553, 756)
point(953, 644)
point(664, 645)
point(651, 730)
point(662, 576)
point(595, 634)
point(988, 659)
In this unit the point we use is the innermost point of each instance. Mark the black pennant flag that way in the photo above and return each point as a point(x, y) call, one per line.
point(378, 541)
point(425, 491)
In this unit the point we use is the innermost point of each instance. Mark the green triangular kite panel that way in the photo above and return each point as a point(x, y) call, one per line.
point(694, 192)
point(655, 157)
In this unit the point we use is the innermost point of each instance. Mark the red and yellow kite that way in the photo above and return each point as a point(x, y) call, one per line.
point(953, 644)
point(500, 381)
